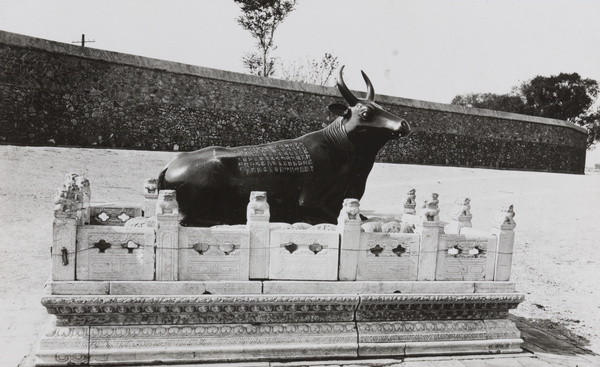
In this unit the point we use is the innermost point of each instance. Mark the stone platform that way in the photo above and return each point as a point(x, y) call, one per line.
point(99, 329)
point(130, 285)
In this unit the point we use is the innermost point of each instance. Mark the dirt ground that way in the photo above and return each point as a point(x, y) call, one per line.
point(556, 259)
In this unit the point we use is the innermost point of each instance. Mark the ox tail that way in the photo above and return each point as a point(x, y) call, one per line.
point(160, 184)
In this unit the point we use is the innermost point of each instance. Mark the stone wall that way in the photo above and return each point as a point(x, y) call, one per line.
point(62, 94)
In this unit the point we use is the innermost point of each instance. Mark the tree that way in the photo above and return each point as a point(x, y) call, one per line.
point(261, 18)
point(310, 71)
point(491, 101)
point(590, 120)
point(564, 96)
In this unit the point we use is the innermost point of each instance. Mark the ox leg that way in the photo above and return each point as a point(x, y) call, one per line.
point(315, 212)
point(210, 206)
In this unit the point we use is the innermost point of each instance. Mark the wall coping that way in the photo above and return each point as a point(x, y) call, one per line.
point(18, 40)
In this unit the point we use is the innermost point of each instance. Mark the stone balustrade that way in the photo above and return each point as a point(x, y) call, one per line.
point(131, 285)
point(146, 242)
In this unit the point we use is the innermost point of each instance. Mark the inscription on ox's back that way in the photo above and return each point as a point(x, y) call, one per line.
point(277, 158)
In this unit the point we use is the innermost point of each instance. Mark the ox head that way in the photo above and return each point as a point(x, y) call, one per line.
point(366, 116)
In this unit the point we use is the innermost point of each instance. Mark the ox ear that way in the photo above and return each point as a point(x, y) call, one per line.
point(338, 109)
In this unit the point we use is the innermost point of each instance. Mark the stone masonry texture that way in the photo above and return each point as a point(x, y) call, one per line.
point(55, 93)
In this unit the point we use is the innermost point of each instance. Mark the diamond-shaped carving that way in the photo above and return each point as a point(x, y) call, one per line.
point(316, 248)
point(123, 217)
point(201, 248)
point(102, 246)
point(453, 251)
point(130, 246)
point(103, 216)
point(227, 248)
point(399, 250)
point(377, 250)
point(291, 247)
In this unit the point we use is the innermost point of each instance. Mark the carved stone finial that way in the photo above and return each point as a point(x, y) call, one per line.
point(84, 187)
point(167, 203)
point(68, 201)
point(150, 187)
point(258, 205)
point(410, 202)
point(350, 210)
point(504, 218)
point(462, 210)
point(461, 215)
point(431, 212)
point(63, 206)
point(85, 194)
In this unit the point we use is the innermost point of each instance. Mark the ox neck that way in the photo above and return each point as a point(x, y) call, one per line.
point(336, 135)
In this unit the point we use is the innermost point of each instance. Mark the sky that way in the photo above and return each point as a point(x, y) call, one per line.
point(421, 49)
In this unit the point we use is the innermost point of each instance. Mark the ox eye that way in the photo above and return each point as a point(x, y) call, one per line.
point(366, 114)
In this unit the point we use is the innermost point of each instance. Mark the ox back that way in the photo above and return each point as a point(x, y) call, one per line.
point(306, 179)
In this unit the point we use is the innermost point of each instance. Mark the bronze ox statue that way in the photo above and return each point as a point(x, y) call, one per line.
point(306, 179)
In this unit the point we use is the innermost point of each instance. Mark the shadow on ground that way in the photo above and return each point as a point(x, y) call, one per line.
point(554, 343)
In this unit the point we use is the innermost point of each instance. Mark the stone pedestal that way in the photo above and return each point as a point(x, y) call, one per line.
point(145, 292)
point(142, 330)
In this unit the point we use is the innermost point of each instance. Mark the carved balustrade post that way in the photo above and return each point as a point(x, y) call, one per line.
point(461, 215)
point(430, 228)
point(348, 227)
point(67, 207)
point(503, 227)
point(64, 239)
point(258, 216)
point(150, 198)
point(167, 236)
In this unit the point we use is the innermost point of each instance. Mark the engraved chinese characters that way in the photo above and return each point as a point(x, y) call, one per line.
point(279, 158)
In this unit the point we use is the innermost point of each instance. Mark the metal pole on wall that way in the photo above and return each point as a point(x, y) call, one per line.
point(82, 41)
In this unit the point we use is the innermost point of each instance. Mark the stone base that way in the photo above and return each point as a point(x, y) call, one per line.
point(409, 338)
point(219, 343)
point(140, 330)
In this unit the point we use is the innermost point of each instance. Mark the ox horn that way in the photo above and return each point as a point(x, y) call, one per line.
point(370, 89)
point(346, 93)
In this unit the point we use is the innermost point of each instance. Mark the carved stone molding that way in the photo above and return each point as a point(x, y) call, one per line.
point(128, 310)
point(64, 345)
point(436, 307)
point(218, 342)
point(418, 331)
point(435, 330)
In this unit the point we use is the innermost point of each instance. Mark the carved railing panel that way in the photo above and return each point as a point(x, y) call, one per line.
point(465, 257)
point(388, 256)
point(303, 254)
point(113, 215)
point(213, 254)
point(114, 253)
